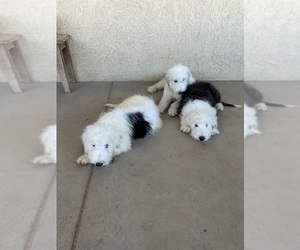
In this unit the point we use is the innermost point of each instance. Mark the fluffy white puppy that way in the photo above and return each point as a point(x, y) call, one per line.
point(174, 84)
point(112, 134)
point(48, 139)
point(199, 119)
point(198, 110)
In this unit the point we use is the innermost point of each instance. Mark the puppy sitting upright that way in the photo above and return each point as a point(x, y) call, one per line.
point(174, 84)
point(198, 110)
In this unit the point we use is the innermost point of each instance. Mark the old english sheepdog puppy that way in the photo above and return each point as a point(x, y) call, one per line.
point(174, 84)
point(198, 110)
point(252, 103)
point(112, 134)
point(48, 139)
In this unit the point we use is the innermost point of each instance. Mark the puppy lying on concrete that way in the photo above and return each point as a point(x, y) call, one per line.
point(112, 134)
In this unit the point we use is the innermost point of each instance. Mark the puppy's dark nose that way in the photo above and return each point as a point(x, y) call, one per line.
point(201, 138)
point(180, 92)
point(99, 164)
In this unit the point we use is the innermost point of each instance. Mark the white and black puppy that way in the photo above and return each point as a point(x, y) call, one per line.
point(112, 134)
point(198, 110)
point(174, 84)
point(253, 101)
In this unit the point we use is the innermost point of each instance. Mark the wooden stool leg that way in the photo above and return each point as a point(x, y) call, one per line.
point(68, 62)
point(7, 66)
point(61, 70)
point(19, 63)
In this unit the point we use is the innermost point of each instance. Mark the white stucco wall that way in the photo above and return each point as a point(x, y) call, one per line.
point(35, 20)
point(140, 39)
point(272, 40)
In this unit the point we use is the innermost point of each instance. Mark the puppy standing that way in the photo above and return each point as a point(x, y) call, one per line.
point(174, 84)
point(112, 134)
point(48, 139)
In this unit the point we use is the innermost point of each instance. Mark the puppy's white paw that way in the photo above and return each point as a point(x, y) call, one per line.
point(261, 106)
point(83, 160)
point(43, 160)
point(172, 112)
point(161, 109)
point(185, 129)
point(252, 131)
point(219, 106)
point(151, 89)
point(215, 131)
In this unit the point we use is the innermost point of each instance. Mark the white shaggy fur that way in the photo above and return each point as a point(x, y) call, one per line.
point(111, 134)
point(174, 84)
point(48, 139)
point(199, 119)
point(250, 121)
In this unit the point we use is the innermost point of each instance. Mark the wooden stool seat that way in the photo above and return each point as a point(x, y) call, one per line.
point(64, 62)
point(12, 62)
point(9, 38)
point(61, 38)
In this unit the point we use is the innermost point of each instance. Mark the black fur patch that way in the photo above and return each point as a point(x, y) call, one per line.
point(252, 95)
point(139, 126)
point(203, 91)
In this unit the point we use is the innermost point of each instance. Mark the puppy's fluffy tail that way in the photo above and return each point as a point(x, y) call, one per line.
point(231, 105)
point(110, 105)
point(271, 104)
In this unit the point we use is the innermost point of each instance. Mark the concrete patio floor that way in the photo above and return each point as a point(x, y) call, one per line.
point(28, 192)
point(272, 172)
point(168, 192)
